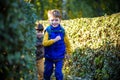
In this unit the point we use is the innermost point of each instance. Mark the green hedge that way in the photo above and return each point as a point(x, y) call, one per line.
point(17, 39)
point(96, 47)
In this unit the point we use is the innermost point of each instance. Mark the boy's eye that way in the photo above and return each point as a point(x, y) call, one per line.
point(54, 20)
point(39, 31)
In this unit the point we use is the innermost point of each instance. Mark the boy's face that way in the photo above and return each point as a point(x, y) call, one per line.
point(54, 21)
point(39, 33)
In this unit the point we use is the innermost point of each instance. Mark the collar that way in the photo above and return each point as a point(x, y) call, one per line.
point(57, 28)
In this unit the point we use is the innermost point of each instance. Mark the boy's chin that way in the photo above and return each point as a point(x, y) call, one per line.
point(55, 25)
point(39, 36)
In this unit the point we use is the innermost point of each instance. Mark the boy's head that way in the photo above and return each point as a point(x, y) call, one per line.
point(54, 17)
point(54, 13)
point(39, 30)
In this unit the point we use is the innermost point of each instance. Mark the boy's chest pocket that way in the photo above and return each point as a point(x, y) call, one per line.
point(53, 35)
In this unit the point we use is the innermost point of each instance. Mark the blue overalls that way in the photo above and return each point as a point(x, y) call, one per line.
point(54, 54)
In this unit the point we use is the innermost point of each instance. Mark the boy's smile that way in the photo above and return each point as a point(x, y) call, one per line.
point(54, 21)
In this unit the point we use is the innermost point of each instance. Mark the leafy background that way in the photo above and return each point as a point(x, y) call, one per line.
point(17, 38)
point(95, 40)
point(96, 48)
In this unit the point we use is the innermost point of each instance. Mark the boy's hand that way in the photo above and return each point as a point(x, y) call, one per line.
point(57, 38)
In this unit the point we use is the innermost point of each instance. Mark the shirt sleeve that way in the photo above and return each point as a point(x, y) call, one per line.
point(67, 43)
point(46, 41)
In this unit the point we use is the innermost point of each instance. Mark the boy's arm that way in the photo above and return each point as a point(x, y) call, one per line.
point(67, 43)
point(47, 42)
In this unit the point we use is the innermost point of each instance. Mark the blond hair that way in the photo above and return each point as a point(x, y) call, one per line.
point(54, 13)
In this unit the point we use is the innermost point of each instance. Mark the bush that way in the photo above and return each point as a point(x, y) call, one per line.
point(17, 38)
point(96, 47)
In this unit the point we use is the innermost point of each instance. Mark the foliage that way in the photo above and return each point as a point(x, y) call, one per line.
point(17, 38)
point(90, 8)
point(42, 6)
point(95, 41)
point(72, 9)
point(96, 45)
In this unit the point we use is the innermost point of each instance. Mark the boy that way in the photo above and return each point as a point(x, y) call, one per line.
point(56, 46)
point(40, 51)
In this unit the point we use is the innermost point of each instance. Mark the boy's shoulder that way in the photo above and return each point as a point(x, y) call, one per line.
point(47, 28)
